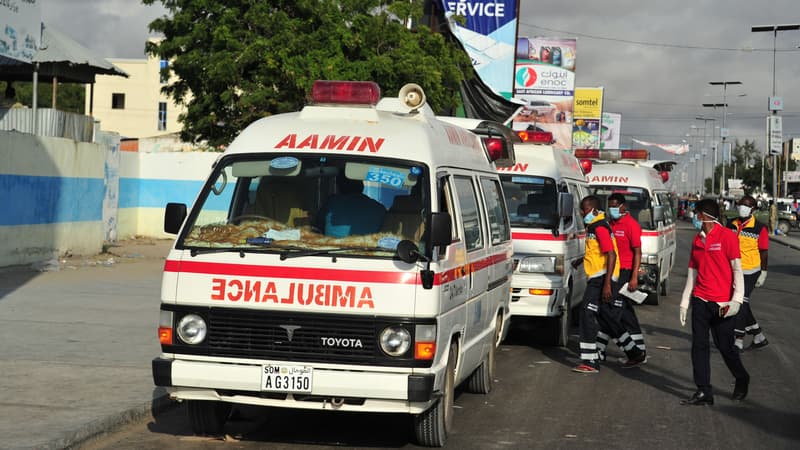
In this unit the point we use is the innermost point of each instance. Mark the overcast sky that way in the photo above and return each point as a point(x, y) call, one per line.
point(658, 88)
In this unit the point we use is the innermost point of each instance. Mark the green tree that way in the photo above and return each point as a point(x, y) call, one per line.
point(239, 60)
point(70, 96)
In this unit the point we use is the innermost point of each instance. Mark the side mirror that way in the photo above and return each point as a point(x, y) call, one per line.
point(441, 226)
point(565, 204)
point(407, 251)
point(658, 213)
point(174, 216)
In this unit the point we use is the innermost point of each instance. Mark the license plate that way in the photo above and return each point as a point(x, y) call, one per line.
point(281, 378)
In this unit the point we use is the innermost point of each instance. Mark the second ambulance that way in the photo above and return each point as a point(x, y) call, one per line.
point(352, 256)
point(642, 182)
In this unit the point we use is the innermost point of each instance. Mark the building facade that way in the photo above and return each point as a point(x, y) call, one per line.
point(134, 107)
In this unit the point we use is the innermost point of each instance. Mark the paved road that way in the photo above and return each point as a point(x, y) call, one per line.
point(77, 344)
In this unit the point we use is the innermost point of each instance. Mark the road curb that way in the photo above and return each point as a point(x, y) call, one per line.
point(781, 241)
point(98, 428)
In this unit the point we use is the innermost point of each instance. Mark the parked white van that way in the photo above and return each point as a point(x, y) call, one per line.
point(543, 191)
point(648, 200)
point(353, 256)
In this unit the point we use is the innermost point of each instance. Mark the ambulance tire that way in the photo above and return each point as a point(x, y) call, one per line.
point(432, 426)
point(208, 417)
point(561, 332)
point(665, 287)
point(480, 382)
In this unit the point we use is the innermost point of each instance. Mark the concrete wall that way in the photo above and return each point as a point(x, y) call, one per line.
point(148, 181)
point(52, 191)
point(61, 196)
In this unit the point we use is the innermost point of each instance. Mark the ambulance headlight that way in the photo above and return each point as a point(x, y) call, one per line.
point(192, 329)
point(541, 264)
point(395, 340)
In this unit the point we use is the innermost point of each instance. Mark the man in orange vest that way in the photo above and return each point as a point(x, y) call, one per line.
point(753, 245)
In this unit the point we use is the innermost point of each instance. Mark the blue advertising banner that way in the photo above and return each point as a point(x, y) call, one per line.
point(489, 36)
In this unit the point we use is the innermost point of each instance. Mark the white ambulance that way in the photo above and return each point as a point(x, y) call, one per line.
point(543, 191)
point(642, 182)
point(353, 256)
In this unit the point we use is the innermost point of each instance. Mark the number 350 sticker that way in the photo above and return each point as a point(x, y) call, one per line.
point(389, 177)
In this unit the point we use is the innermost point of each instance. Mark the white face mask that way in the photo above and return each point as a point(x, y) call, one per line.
point(744, 211)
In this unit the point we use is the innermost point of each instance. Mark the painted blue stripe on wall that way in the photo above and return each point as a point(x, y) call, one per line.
point(156, 193)
point(30, 200)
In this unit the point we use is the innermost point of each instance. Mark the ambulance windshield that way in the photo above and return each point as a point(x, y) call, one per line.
point(637, 201)
point(532, 201)
point(310, 204)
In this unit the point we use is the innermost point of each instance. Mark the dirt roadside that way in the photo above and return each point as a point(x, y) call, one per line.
point(120, 252)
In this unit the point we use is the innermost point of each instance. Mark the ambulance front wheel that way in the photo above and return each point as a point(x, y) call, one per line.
point(207, 417)
point(432, 426)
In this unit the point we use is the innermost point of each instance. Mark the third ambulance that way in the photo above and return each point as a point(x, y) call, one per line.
point(641, 181)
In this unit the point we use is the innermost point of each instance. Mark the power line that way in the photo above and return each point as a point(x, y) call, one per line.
point(656, 44)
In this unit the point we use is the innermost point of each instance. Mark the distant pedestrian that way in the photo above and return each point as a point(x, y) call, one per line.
point(715, 292)
point(602, 271)
point(753, 245)
point(628, 237)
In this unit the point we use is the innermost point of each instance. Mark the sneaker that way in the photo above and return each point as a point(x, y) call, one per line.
point(587, 367)
point(630, 363)
point(624, 359)
point(761, 344)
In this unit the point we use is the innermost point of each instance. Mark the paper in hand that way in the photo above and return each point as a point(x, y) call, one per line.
point(637, 296)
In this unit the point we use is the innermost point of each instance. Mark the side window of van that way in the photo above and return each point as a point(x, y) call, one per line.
point(446, 204)
point(664, 199)
point(496, 209)
point(470, 217)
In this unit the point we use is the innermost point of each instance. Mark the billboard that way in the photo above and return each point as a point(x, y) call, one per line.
point(610, 130)
point(544, 79)
point(20, 29)
point(488, 36)
point(587, 113)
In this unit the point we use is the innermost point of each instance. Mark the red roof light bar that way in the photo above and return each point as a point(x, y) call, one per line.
point(345, 92)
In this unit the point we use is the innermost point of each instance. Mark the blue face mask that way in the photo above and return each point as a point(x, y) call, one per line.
point(697, 223)
point(587, 219)
point(614, 213)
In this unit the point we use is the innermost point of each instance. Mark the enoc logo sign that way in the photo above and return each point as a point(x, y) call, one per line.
point(526, 76)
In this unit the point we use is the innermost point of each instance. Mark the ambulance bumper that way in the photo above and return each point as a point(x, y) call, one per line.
point(537, 295)
point(370, 390)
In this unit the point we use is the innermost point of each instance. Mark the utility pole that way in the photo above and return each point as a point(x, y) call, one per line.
point(723, 131)
point(774, 29)
point(705, 150)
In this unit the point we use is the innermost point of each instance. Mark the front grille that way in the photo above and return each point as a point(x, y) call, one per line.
point(258, 334)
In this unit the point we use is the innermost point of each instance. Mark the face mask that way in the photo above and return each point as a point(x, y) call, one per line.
point(614, 213)
point(697, 223)
point(587, 219)
point(744, 211)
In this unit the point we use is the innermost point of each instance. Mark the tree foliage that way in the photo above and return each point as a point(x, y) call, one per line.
point(70, 96)
point(239, 60)
point(745, 164)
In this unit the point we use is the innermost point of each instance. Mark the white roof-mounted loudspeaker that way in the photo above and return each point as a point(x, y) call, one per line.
point(412, 97)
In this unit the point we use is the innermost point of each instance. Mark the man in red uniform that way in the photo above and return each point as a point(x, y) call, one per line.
point(715, 291)
point(628, 235)
point(753, 244)
point(602, 271)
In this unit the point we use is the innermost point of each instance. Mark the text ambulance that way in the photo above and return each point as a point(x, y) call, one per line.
point(353, 256)
point(648, 200)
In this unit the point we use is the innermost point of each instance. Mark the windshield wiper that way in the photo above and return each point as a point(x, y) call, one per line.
point(322, 252)
point(256, 247)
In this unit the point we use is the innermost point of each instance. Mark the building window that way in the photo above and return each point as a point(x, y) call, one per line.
point(163, 70)
point(162, 116)
point(117, 101)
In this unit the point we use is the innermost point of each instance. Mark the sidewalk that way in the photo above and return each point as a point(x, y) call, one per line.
point(77, 341)
point(791, 241)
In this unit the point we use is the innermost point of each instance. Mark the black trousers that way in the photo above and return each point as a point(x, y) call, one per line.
point(629, 320)
point(595, 314)
point(745, 321)
point(705, 319)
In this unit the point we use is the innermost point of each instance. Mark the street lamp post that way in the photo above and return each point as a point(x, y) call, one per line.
point(723, 130)
point(774, 29)
point(705, 121)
